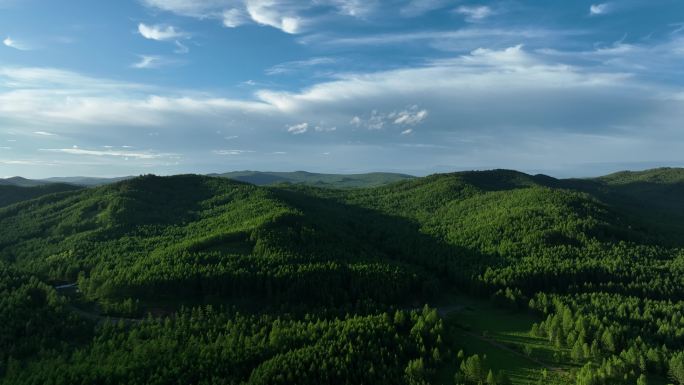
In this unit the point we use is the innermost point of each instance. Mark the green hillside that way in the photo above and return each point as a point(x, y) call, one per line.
point(556, 281)
point(261, 178)
point(10, 194)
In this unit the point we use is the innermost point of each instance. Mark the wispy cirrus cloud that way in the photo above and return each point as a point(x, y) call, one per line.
point(599, 9)
point(419, 7)
point(160, 32)
point(112, 153)
point(234, 17)
point(44, 133)
point(232, 152)
point(474, 96)
point(282, 15)
point(289, 16)
point(152, 62)
point(298, 129)
point(474, 13)
point(298, 65)
point(12, 43)
point(200, 9)
point(454, 39)
point(410, 116)
point(267, 12)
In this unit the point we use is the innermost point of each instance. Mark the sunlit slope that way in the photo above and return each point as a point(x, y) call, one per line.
point(508, 229)
point(193, 236)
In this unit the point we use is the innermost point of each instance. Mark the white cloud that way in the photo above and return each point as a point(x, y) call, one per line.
point(282, 15)
point(599, 9)
point(9, 42)
point(419, 7)
point(231, 152)
point(410, 116)
point(297, 129)
point(511, 56)
point(193, 8)
point(299, 65)
point(234, 17)
point(322, 128)
point(159, 32)
point(267, 12)
point(459, 39)
point(493, 98)
point(16, 162)
point(354, 8)
point(113, 153)
point(376, 121)
point(44, 133)
point(150, 62)
point(181, 48)
point(474, 12)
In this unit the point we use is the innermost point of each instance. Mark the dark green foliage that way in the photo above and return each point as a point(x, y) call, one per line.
point(33, 318)
point(207, 346)
point(10, 194)
point(588, 256)
point(191, 236)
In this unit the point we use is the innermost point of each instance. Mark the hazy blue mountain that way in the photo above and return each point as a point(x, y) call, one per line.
point(84, 180)
point(21, 182)
point(262, 178)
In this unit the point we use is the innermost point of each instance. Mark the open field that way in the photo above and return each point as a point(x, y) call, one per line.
point(503, 337)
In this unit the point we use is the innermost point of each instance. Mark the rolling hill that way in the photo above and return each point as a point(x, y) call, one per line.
point(256, 275)
point(10, 194)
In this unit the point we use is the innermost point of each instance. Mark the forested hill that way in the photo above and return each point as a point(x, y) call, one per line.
point(317, 285)
point(10, 194)
point(263, 178)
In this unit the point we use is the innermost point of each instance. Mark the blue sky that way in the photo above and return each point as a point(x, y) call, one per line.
point(566, 88)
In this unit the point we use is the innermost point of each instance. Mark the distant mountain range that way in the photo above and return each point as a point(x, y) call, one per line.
point(21, 182)
point(84, 180)
point(259, 178)
point(76, 181)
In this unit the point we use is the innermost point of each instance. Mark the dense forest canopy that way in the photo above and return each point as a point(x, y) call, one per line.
point(200, 280)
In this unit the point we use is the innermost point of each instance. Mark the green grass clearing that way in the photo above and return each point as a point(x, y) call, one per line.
point(503, 336)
